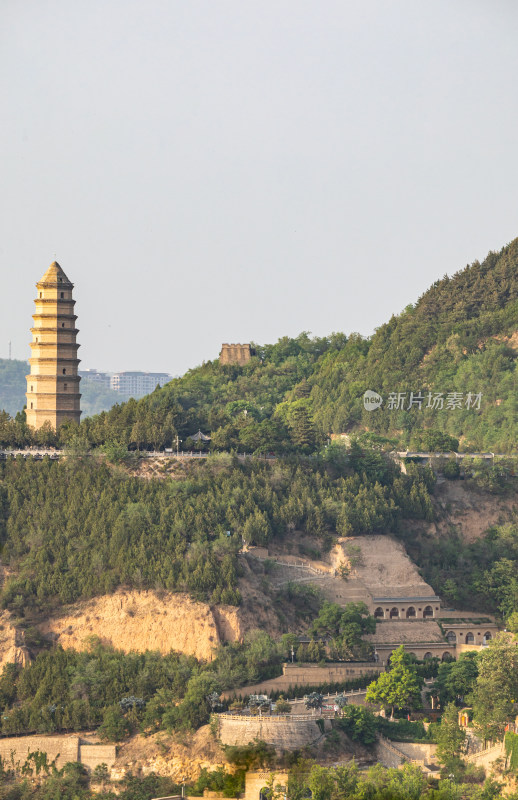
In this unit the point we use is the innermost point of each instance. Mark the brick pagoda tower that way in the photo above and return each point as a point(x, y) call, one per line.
point(53, 385)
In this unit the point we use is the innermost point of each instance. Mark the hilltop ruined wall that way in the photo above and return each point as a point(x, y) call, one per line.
point(235, 354)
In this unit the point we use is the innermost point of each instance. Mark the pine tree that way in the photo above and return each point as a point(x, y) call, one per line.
point(398, 688)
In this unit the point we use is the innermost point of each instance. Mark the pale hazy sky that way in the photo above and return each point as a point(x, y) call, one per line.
point(211, 171)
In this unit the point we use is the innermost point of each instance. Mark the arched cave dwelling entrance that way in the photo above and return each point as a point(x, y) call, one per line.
point(410, 612)
point(379, 613)
point(428, 612)
point(394, 613)
point(487, 637)
point(451, 637)
point(447, 657)
point(470, 639)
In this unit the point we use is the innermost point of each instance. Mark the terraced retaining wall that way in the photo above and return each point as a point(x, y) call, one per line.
point(310, 675)
point(14, 751)
point(283, 732)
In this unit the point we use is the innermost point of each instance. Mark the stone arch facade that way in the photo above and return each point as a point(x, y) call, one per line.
point(407, 607)
point(419, 650)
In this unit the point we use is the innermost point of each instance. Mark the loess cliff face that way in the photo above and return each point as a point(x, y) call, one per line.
point(12, 647)
point(154, 620)
point(181, 758)
point(145, 620)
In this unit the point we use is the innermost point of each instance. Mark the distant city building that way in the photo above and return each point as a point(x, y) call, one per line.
point(236, 354)
point(138, 384)
point(96, 377)
point(53, 384)
point(128, 384)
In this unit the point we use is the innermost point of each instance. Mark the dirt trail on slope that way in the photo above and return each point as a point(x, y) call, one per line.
point(378, 566)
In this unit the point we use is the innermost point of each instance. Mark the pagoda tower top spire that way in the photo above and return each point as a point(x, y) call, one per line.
point(54, 276)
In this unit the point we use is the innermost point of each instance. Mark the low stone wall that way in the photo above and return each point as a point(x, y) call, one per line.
point(387, 754)
point(15, 749)
point(394, 754)
point(93, 755)
point(255, 781)
point(486, 758)
point(466, 648)
point(284, 733)
point(310, 675)
point(418, 751)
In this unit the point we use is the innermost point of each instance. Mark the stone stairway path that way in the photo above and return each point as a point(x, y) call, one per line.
point(334, 588)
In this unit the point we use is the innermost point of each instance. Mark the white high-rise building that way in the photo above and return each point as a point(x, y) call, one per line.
point(138, 384)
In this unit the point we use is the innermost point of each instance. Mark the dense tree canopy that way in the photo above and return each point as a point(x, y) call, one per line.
point(496, 688)
point(456, 679)
point(343, 629)
point(400, 687)
point(78, 528)
point(480, 575)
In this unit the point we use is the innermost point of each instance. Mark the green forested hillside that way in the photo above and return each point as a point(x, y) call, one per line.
point(461, 336)
point(79, 528)
point(458, 346)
